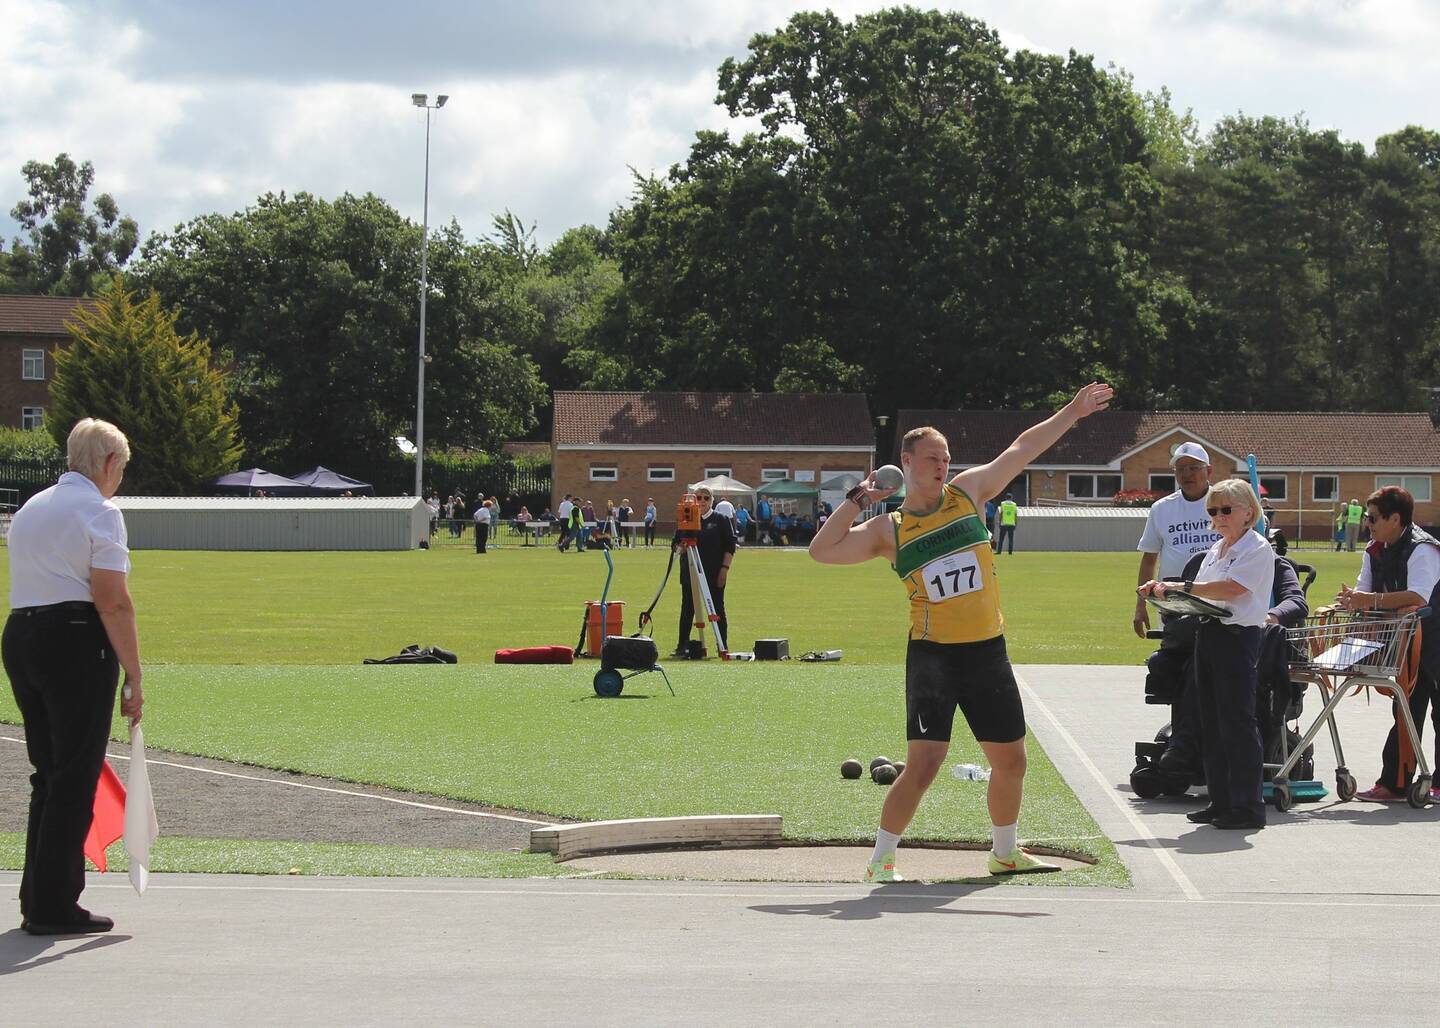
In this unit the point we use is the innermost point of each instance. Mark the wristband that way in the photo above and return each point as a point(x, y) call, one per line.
point(856, 495)
point(1189, 585)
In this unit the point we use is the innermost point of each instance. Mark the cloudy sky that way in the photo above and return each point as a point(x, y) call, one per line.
point(192, 106)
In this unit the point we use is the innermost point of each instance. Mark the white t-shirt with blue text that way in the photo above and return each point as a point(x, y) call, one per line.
point(1176, 529)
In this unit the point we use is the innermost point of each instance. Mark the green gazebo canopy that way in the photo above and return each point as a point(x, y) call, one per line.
point(788, 489)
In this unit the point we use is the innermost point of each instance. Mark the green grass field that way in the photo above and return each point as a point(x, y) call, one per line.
point(256, 658)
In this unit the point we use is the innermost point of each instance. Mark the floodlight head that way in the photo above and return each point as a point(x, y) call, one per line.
point(418, 99)
point(440, 101)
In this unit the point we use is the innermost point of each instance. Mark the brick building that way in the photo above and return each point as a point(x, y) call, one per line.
point(608, 446)
point(1308, 462)
point(31, 328)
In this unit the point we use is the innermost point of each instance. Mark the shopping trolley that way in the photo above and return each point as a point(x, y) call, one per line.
point(1342, 652)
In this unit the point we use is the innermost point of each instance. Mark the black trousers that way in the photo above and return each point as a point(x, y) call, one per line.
point(1392, 775)
point(482, 533)
point(650, 534)
point(1227, 680)
point(687, 607)
point(1006, 532)
point(63, 673)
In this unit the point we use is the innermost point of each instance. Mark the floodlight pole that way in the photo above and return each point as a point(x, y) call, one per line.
point(423, 100)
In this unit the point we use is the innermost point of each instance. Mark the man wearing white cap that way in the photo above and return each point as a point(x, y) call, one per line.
point(1178, 527)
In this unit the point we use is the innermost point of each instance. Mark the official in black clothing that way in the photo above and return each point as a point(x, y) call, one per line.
point(71, 629)
point(717, 549)
point(1239, 573)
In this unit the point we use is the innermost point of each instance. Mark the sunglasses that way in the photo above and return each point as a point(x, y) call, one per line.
point(703, 496)
point(1213, 511)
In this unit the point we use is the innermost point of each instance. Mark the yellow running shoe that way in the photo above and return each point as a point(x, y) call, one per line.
point(882, 872)
point(1019, 862)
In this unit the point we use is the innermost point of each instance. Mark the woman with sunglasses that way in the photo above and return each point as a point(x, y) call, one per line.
point(1238, 573)
point(1401, 568)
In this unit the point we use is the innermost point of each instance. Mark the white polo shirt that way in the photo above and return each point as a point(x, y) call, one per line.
point(1176, 529)
point(1251, 562)
point(1422, 571)
point(564, 510)
point(58, 536)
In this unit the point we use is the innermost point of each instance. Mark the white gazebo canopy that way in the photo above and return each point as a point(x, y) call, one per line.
point(723, 487)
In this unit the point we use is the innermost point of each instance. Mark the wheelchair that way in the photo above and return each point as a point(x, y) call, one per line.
point(1169, 672)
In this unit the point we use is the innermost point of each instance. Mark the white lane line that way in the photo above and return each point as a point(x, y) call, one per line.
point(1024, 897)
point(1108, 788)
point(321, 788)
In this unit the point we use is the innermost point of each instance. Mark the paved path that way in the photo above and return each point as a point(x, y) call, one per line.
point(1290, 925)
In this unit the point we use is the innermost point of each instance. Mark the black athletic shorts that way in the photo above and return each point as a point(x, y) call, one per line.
point(976, 677)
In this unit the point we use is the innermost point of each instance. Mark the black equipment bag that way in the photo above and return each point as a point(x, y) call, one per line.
point(414, 654)
point(628, 653)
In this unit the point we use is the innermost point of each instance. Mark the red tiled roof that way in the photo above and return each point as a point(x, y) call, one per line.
point(712, 419)
point(1328, 439)
point(37, 315)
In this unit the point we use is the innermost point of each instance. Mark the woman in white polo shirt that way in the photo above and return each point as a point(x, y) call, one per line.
point(71, 629)
point(1238, 572)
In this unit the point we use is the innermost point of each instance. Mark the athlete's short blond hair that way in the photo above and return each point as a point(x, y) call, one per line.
point(90, 442)
point(913, 437)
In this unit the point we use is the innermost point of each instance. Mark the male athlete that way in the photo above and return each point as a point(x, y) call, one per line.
point(938, 544)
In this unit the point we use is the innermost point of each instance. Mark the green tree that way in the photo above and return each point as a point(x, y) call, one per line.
point(960, 222)
point(127, 364)
point(315, 305)
point(69, 250)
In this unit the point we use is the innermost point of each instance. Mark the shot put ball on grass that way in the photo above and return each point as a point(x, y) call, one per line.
point(889, 477)
point(878, 761)
point(884, 774)
point(850, 768)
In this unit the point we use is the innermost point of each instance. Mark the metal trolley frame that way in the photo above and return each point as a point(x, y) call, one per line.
point(1342, 652)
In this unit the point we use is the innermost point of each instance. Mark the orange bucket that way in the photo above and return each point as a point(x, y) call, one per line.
point(595, 633)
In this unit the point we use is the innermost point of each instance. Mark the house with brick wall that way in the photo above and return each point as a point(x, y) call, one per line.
point(32, 328)
point(1309, 462)
point(609, 446)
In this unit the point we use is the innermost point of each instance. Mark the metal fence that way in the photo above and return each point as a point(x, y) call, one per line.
point(22, 479)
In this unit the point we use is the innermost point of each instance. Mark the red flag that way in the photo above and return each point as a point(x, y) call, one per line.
point(108, 824)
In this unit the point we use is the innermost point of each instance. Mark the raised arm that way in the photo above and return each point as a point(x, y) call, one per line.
point(987, 480)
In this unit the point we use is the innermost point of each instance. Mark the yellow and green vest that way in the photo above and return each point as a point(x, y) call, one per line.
point(945, 561)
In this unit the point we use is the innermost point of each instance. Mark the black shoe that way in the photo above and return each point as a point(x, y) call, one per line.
point(1175, 762)
point(1239, 819)
point(83, 923)
point(1206, 815)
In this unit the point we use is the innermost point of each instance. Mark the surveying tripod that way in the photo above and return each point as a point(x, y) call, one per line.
point(688, 522)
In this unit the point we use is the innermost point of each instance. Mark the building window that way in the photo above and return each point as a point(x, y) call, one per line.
point(604, 472)
point(712, 472)
point(1417, 486)
point(1275, 487)
point(32, 365)
point(1325, 487)
point(1162, 483)
point(665, 474)
point(1091, 487)
point(774, 474)
point(32, 417)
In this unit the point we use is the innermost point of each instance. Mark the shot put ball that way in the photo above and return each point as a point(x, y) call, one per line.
point(889, 477)
point(850, 768)
point(884, 774)
point(878, 761)
point(899, 768)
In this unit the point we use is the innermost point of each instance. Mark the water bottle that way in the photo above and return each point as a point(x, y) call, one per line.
point(971, 773)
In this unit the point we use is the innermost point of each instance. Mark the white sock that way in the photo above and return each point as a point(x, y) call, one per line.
point(886, 843)
point(1003, 838)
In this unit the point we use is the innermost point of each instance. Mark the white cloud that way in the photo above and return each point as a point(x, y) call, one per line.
point(186, 109)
